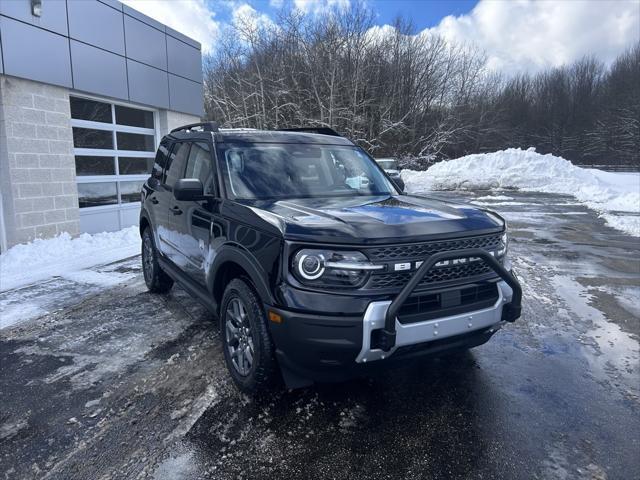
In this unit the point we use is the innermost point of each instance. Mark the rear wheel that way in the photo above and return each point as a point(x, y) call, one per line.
point(156, 279)
point(248, 349)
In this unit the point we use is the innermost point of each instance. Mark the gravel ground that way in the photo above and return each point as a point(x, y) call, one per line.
point(118, 383)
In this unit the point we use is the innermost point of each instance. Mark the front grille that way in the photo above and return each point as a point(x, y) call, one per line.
point(423, 250)
point(455, 274)
point(419, 308)
point(436, 275)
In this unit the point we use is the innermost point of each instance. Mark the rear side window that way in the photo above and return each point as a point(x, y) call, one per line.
point(199, 165)
point(161, 160)
point(176, 163)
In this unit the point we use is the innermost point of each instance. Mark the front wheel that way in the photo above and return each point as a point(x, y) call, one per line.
point(156, 279)
point(248, 349)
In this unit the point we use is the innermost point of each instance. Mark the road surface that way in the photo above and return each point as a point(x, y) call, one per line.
point(118, 383)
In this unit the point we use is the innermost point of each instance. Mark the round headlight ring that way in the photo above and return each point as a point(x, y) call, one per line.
point(310, 267)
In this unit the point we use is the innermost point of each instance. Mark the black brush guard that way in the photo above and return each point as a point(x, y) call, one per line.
point(386, 338)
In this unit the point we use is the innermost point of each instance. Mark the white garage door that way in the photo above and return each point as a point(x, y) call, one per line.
point(114, 147)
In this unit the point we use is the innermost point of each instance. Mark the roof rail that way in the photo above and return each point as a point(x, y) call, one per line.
point(205, 126)
point(320, 130)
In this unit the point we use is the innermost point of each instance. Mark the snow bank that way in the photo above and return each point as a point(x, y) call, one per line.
point(607, 193)
point(28, 263)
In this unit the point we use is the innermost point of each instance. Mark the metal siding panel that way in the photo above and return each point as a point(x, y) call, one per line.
point(1, 60)
point(142, 17)
point(54, 14)
point(96, 23)
point(184, 60)
point(145, 44)
point(148, 85)
point(185, 95)
point(97, 71)
point(113, 3)
point(36, 54)
point(184, 38)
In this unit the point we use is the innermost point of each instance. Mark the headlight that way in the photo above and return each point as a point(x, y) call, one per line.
point(331, 268)
point(504, 244)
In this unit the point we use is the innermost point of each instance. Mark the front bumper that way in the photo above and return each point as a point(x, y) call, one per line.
point(334, 347)
point(431, 330)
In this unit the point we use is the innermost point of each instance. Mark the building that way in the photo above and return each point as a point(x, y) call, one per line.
point(87, 89)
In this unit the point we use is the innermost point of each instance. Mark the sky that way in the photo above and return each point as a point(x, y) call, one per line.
point(517, 35)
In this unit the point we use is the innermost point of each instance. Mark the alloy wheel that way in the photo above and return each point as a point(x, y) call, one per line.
point(239, 337)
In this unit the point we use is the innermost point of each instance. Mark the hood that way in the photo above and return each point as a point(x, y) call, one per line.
point(380, 219)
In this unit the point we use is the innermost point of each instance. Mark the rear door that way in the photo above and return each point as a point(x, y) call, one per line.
point(153, 191)
point(195, 228)
point(168, 232)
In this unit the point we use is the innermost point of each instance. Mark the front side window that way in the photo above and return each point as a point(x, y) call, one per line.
point(199, 165)
point(275, 171)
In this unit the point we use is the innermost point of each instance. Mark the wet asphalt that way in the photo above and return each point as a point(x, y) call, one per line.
point(119, 383)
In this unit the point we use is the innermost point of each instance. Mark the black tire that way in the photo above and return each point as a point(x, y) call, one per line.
point(156, 279)
point(262, 374)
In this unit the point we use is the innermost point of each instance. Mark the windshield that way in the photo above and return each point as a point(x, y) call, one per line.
point(274, 171)
point(388, 163)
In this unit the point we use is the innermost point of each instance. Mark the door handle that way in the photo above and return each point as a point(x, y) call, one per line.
point(176, 210)
point(154, 200)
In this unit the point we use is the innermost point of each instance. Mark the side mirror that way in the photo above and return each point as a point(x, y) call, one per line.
point(188, 189)
point(399, 183)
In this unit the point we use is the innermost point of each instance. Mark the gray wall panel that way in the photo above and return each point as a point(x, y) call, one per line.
point(184, 38)
point(145, 43)
point(148, 85)
point(90, 44)
point(97, 71)
point(33, 53)
point(185, 95)
point(142, 17)
point(97, 24)
point(112, 3)
point(184, 60)
point(54, 14)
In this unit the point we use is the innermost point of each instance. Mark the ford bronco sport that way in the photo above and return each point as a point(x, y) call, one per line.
point(316, 264)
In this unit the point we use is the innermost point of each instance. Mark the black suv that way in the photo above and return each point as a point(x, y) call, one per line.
point(317, 265)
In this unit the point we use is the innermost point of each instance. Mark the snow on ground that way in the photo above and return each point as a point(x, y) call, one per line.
point(67, 257)
point(616, 196)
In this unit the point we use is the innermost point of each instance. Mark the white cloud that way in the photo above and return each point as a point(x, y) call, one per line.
point(245, 16)
point(318, 7)
point(526, 35)
point(192, 18)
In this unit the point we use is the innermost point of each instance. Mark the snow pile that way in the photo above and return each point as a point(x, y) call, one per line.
point(28, 263)
point(527, 170)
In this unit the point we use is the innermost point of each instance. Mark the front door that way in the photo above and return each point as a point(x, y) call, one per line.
point(193, 233)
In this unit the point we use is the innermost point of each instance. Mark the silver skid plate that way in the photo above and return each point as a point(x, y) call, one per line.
point(429, 330)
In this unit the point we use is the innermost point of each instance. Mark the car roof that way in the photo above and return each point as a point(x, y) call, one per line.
point(276, 136)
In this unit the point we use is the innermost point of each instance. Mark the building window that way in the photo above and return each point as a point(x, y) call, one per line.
point(114, 147)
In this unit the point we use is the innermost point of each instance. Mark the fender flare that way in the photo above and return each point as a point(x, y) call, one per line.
point(240, 256)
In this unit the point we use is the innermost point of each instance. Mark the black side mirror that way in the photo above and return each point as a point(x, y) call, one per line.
point(188, 189)
point(399, 183)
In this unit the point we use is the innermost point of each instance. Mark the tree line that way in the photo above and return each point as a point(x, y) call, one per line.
point(415, 96)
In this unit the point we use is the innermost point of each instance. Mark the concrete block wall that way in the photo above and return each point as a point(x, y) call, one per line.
point(37, 167)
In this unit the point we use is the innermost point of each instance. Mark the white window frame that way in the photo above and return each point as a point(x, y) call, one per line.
point(113, 127)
